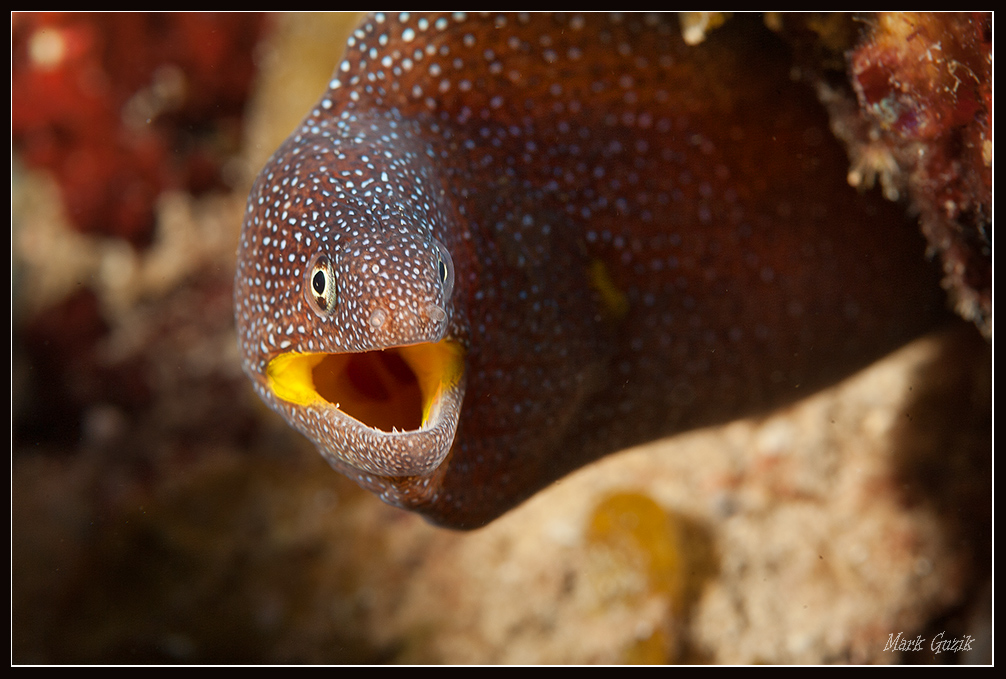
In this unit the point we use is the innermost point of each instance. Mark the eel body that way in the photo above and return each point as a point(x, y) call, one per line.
point(502, 246)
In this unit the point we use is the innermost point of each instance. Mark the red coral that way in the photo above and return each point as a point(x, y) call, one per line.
point(924, 82)
point(123, 106)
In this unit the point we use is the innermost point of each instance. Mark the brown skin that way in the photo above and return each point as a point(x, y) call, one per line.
point(648, 238)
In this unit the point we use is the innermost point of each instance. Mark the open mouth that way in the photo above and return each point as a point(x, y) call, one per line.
point(399, 389)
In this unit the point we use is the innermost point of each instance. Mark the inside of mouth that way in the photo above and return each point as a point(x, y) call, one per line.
point(396, 389)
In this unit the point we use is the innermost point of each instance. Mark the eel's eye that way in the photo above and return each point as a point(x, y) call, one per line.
point(445, 270)
point(320, 289)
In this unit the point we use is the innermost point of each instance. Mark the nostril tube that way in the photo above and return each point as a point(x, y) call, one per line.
point(435, 313)
point(377, 318)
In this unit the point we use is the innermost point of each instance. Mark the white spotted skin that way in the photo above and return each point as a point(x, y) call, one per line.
point(381, 239)
point(640, 237)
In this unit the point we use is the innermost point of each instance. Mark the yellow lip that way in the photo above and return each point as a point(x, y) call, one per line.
point(394, 389)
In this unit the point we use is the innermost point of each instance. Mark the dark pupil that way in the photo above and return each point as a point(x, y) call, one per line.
point(442, 270)
point(318, 282)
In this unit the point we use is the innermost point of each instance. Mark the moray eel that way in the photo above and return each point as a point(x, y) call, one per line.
point(502, 246)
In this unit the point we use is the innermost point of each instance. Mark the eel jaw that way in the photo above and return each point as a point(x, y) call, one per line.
point(387, 412)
